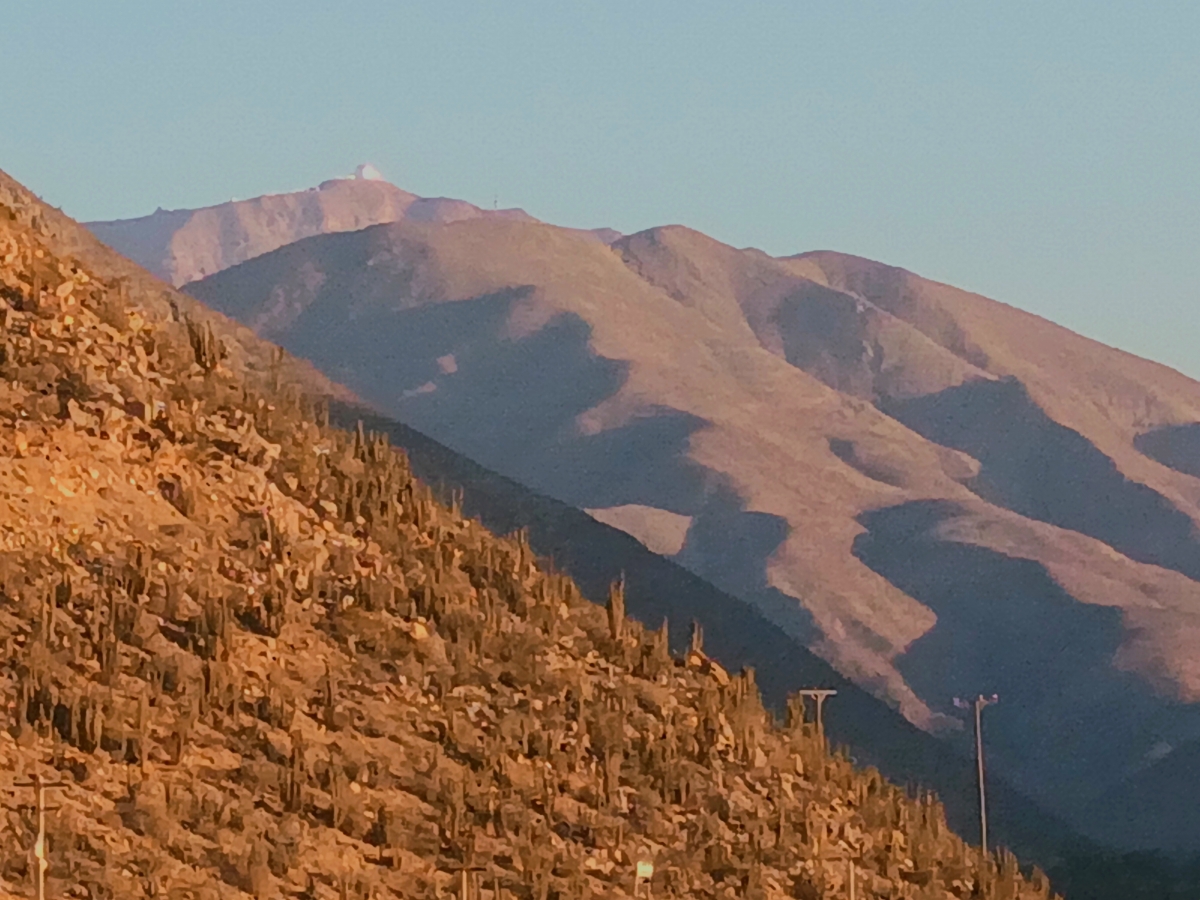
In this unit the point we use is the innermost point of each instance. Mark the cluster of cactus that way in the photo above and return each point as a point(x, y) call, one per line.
point(207, 348)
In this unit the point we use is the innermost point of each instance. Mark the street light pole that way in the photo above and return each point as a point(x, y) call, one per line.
point(820, 695)
point(979, 703)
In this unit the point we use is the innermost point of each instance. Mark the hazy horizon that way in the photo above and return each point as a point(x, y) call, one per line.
point(1041, 154)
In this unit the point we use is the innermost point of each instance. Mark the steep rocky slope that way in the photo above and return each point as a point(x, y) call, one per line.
point(938, 493)
point(255, 656)
point(658, 590)
point(182, 245)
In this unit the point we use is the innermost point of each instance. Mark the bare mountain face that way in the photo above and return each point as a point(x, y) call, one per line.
point(937, 493)
point(186, 244)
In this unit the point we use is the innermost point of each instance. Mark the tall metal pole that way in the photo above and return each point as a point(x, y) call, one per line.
point(41, 862)
point(981, 702)
point(820, 695)
point(39, 849)
point(983, 841)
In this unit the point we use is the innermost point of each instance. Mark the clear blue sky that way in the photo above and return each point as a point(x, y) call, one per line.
point(1046, 154)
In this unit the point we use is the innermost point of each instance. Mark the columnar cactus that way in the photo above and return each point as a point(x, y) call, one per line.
point(206, 347)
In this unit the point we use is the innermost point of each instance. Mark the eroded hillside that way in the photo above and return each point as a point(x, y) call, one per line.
point(257, 658)
point(936, 492)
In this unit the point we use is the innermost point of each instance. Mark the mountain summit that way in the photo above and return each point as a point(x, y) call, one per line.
point(184, 245)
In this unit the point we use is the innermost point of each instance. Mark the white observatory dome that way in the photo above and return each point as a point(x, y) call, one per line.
point(367, 172)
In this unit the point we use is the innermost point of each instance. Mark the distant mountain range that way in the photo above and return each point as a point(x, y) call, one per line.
point(183, 245)
point(937, 493)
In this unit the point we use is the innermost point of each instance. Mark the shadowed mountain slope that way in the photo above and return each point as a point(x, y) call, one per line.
point(766, 409)
point(1158, 800)
point(1175, 446)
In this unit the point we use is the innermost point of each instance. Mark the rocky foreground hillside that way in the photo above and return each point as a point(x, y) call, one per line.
point(255, 657)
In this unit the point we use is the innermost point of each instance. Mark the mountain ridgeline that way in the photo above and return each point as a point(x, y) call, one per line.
point(183, 245)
